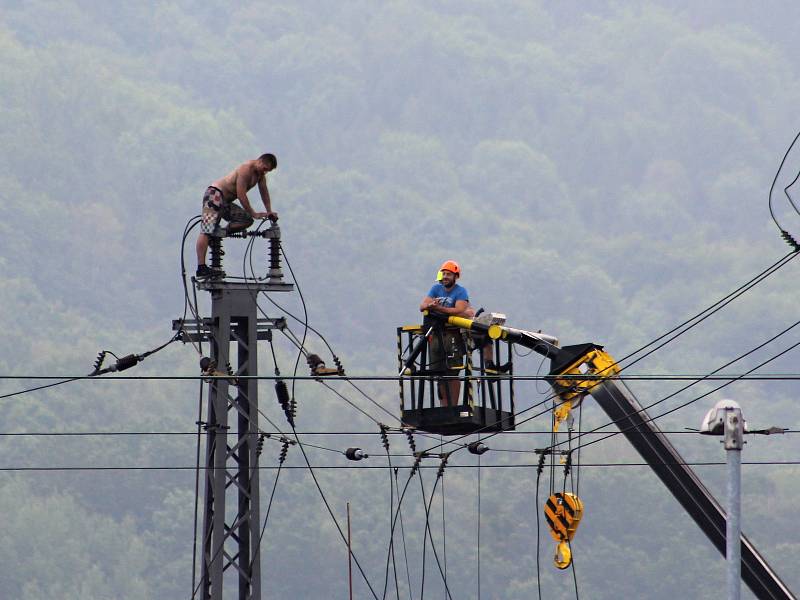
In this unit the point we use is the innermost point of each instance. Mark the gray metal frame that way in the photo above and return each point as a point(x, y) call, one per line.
point(231, 527)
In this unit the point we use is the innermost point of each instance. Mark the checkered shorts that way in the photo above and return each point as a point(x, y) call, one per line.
point(212, 207)
point(215, 208)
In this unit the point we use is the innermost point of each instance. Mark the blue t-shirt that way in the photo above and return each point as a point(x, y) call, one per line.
point(448, 298)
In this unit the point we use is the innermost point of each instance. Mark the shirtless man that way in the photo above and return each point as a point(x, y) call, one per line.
point(218, 202)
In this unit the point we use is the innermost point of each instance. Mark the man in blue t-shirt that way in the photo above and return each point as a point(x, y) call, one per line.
point(448, 298)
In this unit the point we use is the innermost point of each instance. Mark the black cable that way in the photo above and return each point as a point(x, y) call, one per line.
point(429, 533)
point(554, 395)
point(444, 531)
point(479, 527)
point(403, 535)
point(675, 393)
point(685, 404)
point(40, 387)
point(330, 512)
point(394, 378)
point(307, 433)
point(713, 309)
point(755, 463)
point(281, 460)
point(775, 181)
point(760, 277)
point(197, 486)
point(187, 305)
point(266, 518)
point(413, 470)
point(385, 440)
point(539, 471)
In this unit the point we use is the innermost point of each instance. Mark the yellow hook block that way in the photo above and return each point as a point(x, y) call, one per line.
point(563, 512)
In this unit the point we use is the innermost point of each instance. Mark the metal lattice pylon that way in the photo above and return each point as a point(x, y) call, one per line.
point(231, 528)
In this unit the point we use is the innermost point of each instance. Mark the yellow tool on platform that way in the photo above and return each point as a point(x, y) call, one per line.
point(563, 512)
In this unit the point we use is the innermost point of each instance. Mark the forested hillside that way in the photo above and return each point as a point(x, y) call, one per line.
point(600, 171)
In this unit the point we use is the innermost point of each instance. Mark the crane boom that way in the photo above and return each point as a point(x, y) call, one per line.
point(592, 371)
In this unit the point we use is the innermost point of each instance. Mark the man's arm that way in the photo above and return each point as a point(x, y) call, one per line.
point(459, 310)
point(264, 191)
point(243, 175)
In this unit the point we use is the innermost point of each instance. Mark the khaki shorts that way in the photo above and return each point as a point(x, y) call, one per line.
point(451, 357)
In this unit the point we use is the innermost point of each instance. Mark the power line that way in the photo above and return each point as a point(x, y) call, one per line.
point(381, 467)
point(395, 378)
point(320, 433)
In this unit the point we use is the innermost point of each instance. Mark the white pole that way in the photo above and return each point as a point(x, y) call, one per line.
point(734, 429)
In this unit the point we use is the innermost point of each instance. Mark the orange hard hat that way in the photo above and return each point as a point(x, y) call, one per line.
point(452, 266)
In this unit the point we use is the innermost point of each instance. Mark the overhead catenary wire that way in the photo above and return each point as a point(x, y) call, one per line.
point(673, 394)
point(775, 181)
point(310, 445)
point(601, 431)
point(755, 463)
point(701, 316)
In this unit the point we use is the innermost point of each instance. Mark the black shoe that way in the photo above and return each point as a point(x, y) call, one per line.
point(206, 272)
point(493, 368)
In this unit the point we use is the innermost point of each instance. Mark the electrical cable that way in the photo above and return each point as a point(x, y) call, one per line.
point(444, 530)
point(325, 433)
point(403, 536)
point(429, 533)
point(479, 527)
point(187, 304)
point(197, 486)
point(539, 471)
point(39, 387)
point(684, 388)
point(266, 518)
point(281, 460)
point(330, 512)
point(554, 395)
point(713, 309)
point(775, 181)
point(385, 440)
point(755, 463)
point(693, 400)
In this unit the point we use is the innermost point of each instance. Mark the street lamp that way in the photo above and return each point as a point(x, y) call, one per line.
point(726, 419)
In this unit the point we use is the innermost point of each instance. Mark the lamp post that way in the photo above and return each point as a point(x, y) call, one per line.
point(726, 419)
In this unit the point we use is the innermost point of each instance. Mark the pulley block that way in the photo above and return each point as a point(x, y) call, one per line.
point(563, 512)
